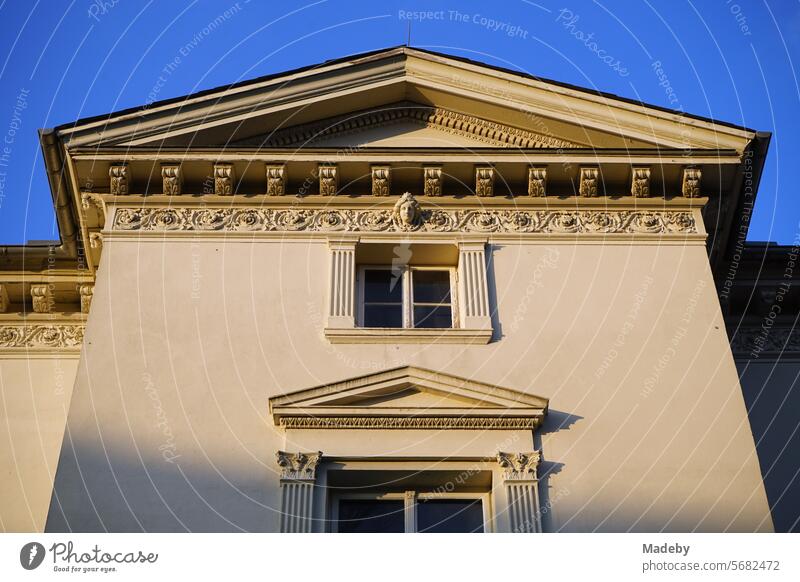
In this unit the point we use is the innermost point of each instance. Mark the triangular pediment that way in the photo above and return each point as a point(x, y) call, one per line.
point(458, 102)
point(409, 125)
point(408, 397)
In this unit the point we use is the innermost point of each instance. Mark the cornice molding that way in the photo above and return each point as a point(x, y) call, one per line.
point(44, 336)
point(411, 422)
point(488, 132)
point(487, 221)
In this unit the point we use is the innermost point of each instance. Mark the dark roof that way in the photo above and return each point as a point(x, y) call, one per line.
point(347, 58)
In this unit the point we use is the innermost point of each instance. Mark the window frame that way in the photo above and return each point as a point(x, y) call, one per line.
point(407, 300)
point(409, 498)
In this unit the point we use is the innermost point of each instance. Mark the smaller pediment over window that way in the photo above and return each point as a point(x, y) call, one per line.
point(408, 398)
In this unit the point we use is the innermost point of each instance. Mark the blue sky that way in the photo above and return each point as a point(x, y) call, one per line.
point(727, 59)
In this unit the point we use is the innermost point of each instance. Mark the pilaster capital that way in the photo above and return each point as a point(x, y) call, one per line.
point(298, 466)
point(519, 466)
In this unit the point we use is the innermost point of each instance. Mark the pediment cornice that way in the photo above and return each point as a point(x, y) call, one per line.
point(386, 400)
point(488, 132)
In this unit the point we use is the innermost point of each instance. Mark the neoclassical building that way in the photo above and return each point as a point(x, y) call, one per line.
point(399, 291)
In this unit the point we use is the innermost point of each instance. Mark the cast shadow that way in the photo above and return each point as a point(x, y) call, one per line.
point(555, 421)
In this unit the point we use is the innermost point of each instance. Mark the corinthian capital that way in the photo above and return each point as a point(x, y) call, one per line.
point(519, 466)
point(298, 466)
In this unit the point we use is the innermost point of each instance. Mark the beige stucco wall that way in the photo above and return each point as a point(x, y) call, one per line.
point(188, 340)
point(34, 400)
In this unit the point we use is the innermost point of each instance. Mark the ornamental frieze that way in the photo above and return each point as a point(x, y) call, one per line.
point(410, 422)
point(41, 336)
point(402, 220)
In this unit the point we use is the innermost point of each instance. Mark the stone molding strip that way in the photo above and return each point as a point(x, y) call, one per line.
point(411, 422)
point(428, 221)
point(41, 336)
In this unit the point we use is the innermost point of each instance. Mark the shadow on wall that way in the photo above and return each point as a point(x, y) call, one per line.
point(772, 395)
point(111, 488)
point(549, 496)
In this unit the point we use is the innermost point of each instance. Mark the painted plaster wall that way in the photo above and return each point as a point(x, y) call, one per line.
point(169, 421)
point(34, 400)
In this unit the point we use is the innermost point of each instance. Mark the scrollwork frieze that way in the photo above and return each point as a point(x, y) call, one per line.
point(387, 220)
point(45, 335)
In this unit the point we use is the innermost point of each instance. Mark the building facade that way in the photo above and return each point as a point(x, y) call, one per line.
point(398, 291)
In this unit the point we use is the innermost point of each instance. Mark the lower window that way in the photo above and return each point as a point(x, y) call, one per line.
point(411, 511)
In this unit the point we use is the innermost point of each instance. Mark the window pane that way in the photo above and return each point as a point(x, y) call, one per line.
point(383, 316)
point(431, 286)
point(383, 286)
point(371, 516)
point(449, 515)
point(433, 317)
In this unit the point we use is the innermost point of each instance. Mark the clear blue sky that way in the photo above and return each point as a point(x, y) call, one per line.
point(731, 60)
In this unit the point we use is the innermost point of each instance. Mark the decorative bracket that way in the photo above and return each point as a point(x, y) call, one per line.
point(4, 301)
point(537, 181)
point(588, 185)
point(381, 180)
point(223, 179)
point(86, 292)
point(690, 185)
point(276, 180)
point(118, 175)
point(171, 179)
point(432, 180)
point(640, 182)
point(43, 300)
point(328, 180)
point(484, 181)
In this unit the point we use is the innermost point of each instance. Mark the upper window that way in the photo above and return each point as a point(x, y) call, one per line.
point(406, 297)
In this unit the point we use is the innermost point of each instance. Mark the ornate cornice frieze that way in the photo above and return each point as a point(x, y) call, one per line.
point(41, 335)
point(754, 342)
point(519, 466)
point(298, 466)
point(387, 220)
point(489, 132)
point(411, 422)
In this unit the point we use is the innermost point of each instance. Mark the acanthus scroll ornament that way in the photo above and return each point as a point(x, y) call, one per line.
point(406, 216)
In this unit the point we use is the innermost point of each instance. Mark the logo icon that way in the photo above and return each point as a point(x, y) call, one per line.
point(31, 555)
